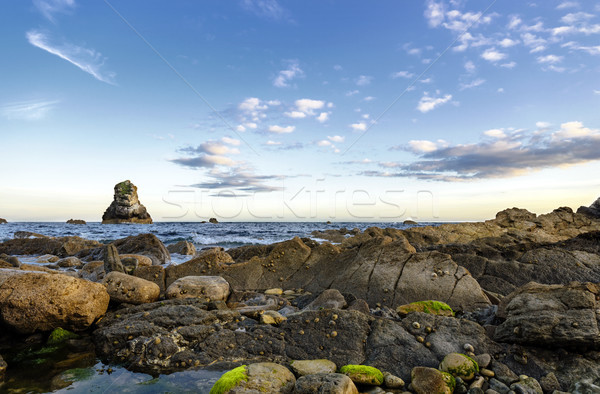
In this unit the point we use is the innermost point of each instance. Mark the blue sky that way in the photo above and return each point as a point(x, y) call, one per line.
point(315, 110)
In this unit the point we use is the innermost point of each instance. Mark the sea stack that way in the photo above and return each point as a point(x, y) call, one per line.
point(126, 207)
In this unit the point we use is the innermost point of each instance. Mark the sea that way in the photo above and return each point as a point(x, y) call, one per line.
point(68, 372)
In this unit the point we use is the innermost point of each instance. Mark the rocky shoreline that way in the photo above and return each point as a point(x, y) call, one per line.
point(514, 300)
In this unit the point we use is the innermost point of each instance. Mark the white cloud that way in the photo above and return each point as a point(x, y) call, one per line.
point(324, 143)
point(509, 65)
point(567, 4)
point(500, 90)
point(597, 92)
point(336, 138)
point(472, 84)
point(281, 130)
point(50, 7)
point(428, 103)
point(323, 117)
point(492, 55)
point(574, 129)
point(251, 125)
point(308, 106)
point(360, 126)
point(422, 146)
point(285, 76)
point(352, 93)
point(363, 80)
point(557, 31)
point(514, 22)
point(295, 114)
point(539, 48)
point(576, 17)
point(507, 43)
point(557, 69)
point(369, 98)
point(550, 59)
point(272, 143)
point(27, 110)
point(85, 59)
point(252, 104)
point(495, 133)
point(240, 128)
point(402, 74)
point(434, 13)
point(231, 141)
point(337, 67)
point(532, 41)
point(470, 66)
point(542, 125)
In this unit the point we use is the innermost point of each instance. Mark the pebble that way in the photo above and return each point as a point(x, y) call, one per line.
point(487, 373)
point(416, 325)
point(468, 348)
point(477, 383)
point(483, 360)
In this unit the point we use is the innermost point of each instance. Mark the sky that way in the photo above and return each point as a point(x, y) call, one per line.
point(266, 110)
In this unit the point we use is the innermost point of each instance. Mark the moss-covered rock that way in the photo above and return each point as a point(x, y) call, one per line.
point(434, 307)
point(229, 380)
point(431, 381)
point(59, 335)
point(363, 374)
point(459, 365)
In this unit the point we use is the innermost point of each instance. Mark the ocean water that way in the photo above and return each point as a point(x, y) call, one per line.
point(227, 235)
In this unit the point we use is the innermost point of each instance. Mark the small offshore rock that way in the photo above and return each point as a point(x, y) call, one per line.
point(76, 221)
point(213, 220)
point(182, 247)
point(331, 383)
point(310, 367)
point(3, 221)
point(126, 206)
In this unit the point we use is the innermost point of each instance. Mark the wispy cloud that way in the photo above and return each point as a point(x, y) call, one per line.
point(238, 179)
point(49, 8)
point(499, 155)
point(281, 130)
point(27, 110)
point(492, 55)
point(472, 84)
point(282, 80)
point(429, 103)
point(269, 9)
point(402, 74)
point(85, 59)
point(210, 154)
point(363, 80)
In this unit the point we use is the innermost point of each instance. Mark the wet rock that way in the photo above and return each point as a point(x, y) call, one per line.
point(550, 315)
point(498, 386)
point(182, 247)
point(258, 378)
point(272, 317)
point(126, 206)
point(310, 367)
point(76, 221)
point(359, 305)
point(392, 382)
point(208, 262)
point(329, 299)
point(11, 261)
point(40, 302)
point(332, 383)
point(429, 380)
point(363, 374)
point(92, 271)
point(585, 387)
point(47, 258)
point(69, 262)
point(124, 288)
point(62, 246)
point(526, 385)
point(550, 383)
point(154, 273)
point(459, 365)
point(503, 373)
point(434, 307)
point(483, 360)
point(211, 288)
point(112, 261)
point(213, 220)
point(3, 366)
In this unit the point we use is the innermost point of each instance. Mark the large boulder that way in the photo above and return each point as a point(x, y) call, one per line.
point(256, 378)
point(592, 211)
point(211, 288)
point(182, 247)
point(143, 244)
point(34, 301)
point(551, 316)
point(124, 288)
point(209, 260)
point(126, 207)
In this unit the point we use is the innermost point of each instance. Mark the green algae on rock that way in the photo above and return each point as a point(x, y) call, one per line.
point(459, 365)
point(59, 335)
point(363, 374)
point(434, 307)
point(230, 379)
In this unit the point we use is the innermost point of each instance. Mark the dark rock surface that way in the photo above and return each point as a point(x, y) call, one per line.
point(126, 207)
point(62, 246)
point(76, 221)
point(144, 244)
